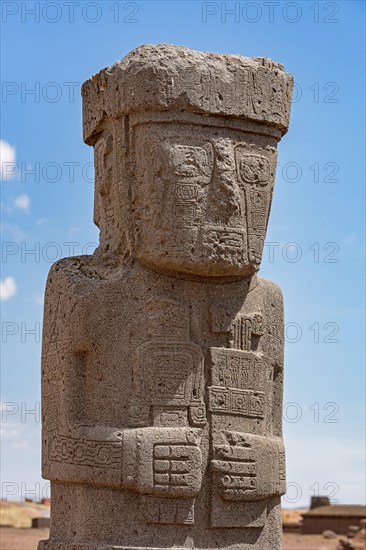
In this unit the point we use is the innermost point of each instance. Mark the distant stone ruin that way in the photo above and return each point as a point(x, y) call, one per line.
point(336, 517)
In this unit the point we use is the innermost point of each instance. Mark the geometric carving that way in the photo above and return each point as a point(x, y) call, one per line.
point(49, 404)
point(237, 402)
point(218, 399)
point(232, 368)
point(252, 168)
point(168, 319)
point(247, 466)
point(188, 163)
point(282, 466)
point(255, 172)
point(197, 415)
point(257, 205)
point(189, 170)
point(185, 213)
point(172, 465)
point(169, 417)
point(236, 468)
point(244, 328)
point(166, 375)
point(168, 511)
point(164, 462)
point(71, 450)
point(235, 503)
point(224, 242)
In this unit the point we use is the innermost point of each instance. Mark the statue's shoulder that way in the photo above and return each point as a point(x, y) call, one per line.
point(79, 290)
point(68, 281)
point(76, 272)
point(86, 281)
point(269, 291)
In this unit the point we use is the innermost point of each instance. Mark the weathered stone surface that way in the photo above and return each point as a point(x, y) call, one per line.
point(164, 77)
point(162, 358)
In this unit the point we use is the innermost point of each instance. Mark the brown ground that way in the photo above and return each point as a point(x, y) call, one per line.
point(21, 537)
point(293, 541)
point(27, 539)
point(12, 538)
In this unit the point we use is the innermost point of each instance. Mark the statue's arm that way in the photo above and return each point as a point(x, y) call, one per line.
point(264, 452)
point(73, 450)
point(76, 450)
point(275, 350)
point(275, 336)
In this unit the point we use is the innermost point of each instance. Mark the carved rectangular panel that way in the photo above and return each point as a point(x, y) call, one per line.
point(167, 376)
point(255, 170)
point(282, 466)
point(245, 331)
point(237, 402)
point(236, 369)
point(164, 462)
point(173, 467)
point(169, 418)
point(168, 511)
point(247, 470)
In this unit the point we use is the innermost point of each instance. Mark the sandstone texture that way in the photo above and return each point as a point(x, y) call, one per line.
point(162, 366)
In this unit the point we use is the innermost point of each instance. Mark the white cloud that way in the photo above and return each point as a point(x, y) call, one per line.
point(73, 230)
point(10, 433)
point(7, 160)
point(42, 221)
point(38, 299)
point(351, 240)
point(20, 427)
point(8, 288)
point(13, 434)
point(22, 202)
point(15, 232)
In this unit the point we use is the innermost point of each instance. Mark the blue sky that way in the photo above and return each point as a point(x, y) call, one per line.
point(315, 241)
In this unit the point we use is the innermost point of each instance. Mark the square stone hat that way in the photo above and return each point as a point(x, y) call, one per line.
point(164, 77)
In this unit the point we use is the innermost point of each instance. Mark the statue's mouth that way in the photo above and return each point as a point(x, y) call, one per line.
point(217, 237)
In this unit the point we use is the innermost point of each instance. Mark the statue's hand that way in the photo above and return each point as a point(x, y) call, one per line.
point(249, 467)
point(163, 462)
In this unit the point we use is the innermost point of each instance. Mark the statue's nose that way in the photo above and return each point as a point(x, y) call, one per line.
point(225, 197)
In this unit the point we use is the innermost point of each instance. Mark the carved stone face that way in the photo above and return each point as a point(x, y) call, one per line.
point(201, 198)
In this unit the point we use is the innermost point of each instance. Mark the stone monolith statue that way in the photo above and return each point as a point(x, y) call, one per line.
point(163, 352)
